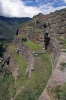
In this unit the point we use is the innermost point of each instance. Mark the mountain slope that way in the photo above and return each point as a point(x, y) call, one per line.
point(8, 26)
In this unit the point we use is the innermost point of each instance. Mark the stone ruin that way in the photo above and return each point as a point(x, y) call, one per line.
point(51, 25)
point(26, 53)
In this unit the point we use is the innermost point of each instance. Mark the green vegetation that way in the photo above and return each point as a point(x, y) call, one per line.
point(8, 26)
point(21, 36)
point(37, 30)
point(38, 80)
point(3, 47)
point(63, 40)
point(6, 87)
point(26, 26)
point(59, 92)
point(64, 43)
point(62, 66)
point(23, 25)
point(33, 46)
point(22, 65)
point(33, 86)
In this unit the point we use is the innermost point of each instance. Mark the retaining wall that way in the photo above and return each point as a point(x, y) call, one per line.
point(26, 53)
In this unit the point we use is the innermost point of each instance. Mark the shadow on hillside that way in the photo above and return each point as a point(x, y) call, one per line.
point(4, 45)
point(2, 50)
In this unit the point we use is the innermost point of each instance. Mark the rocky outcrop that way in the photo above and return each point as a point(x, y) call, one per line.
point(57, 21)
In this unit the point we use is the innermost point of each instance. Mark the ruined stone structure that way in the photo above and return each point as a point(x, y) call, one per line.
point(34, 30)
point(14, 68)
point(25, 52)
point(39, 30)
point(57, 21)
point(54, 50)
point(53, 24)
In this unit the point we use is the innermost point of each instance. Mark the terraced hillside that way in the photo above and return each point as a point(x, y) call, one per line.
point(23, 87)
point(34, 66)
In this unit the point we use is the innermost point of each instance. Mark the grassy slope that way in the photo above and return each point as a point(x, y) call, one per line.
point(34, 85)
point(8, 26)
point(58, 92)
point(39, 77)
point(6, 87)
point(6, 84)
point(32, 46)
point(38, 80)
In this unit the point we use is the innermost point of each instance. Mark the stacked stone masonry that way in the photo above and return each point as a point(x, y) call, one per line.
point(56, 25)
point(54, 50)
point(57, 21)
point(12, 64)
point(26, 53)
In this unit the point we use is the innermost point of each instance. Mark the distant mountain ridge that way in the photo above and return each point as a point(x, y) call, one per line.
point(8, 26)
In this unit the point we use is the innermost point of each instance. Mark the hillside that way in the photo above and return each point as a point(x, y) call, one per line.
point(15, 81)
point(8, 26)
point(33, 67)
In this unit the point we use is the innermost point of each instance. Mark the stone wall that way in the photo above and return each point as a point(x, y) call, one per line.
point(57, 21)
point(55, 24)
point(54, 50)
point(14, 68)
point(12, 63)
point(26, 53)
point(37, 37)
point(34, 30)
